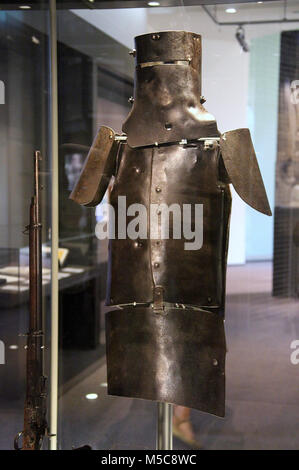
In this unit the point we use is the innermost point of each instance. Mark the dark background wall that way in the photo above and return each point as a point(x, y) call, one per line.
point(23, 122)
point(286, 223)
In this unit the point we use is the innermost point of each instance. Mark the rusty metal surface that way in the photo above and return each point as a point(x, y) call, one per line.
point(167, 98)
point(167, 107)
point(183, 174)
point(169, 46)
point(242, 167)
point(176, 357)
point(98, 169)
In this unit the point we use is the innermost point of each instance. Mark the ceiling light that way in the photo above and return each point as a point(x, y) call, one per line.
point(91, 396)
point(230, 10)
point(260, 2)
point(13, 346)
point(25, 7)
point(153, 4)
point(35, 40)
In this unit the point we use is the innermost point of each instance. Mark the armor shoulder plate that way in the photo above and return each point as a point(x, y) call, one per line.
point(97, 170)
point(242, 167)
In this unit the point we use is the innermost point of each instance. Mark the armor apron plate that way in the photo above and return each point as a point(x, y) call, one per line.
point(177, 356)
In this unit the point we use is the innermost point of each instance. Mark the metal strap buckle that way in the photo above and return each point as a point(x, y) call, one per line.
point(158, 304)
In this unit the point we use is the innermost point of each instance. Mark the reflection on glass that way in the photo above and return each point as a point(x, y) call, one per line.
point(244, 93)
point(24, 78)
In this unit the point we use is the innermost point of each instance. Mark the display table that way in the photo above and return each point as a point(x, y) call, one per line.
point(15, 291)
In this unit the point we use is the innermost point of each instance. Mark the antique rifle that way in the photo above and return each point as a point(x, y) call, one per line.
point(35, 408)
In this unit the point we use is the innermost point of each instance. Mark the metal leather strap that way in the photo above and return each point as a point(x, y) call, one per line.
point(158, 304)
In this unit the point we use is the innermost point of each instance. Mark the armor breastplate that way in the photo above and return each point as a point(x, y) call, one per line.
point(165, 340)
point(172, 174)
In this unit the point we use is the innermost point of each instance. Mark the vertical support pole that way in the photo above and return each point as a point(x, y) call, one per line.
point(164, 426)
point(55, 227)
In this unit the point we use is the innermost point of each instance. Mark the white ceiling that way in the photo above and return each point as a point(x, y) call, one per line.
point(124, 24)
point(257, 11)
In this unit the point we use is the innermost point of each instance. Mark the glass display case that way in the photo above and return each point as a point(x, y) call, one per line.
point(250, 79)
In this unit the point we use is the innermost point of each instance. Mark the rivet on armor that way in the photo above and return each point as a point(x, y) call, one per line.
point(209, 300)
point(168, 126)
point(156, 265)
point(155, 37)
point(158, 242)
point(137, 170)
point(158, 212)
point(215, 362)
point(132, 52)
point(131, 100)
point(202, 99)
point(138, 244)
point(158, 189)
point(209, 144)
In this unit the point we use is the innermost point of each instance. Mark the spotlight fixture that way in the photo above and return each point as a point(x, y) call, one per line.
point(91, 396)
point(240, 36)
point(230, 10)
point(153, 4)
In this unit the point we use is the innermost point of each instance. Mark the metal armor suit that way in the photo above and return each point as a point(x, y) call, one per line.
point(165, 339)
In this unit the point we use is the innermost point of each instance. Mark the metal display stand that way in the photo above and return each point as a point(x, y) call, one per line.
point(164, 426)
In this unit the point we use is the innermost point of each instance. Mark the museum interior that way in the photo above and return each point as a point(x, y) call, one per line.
point(67, 68)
